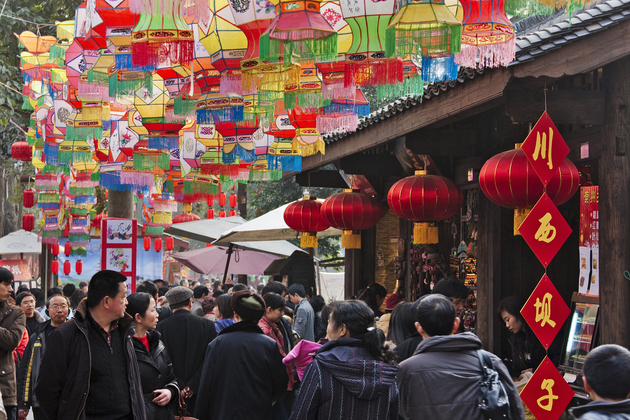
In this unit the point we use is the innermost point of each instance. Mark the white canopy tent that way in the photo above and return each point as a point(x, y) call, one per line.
point(20, 242)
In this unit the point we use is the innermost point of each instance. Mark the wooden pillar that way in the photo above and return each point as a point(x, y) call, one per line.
point(368, 256)
point(614, 207)
point(488, 273)
point(120, 204)
point(352, 272)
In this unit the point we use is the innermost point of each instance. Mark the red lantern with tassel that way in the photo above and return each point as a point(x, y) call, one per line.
point(509, 180)
point(169, 242)
point(157, 244)
point(28, 221)
point(351, 211)
point(66, 267)
point(67, 249)
point(222, 199)
point(231, 213)
point(210, 214)
point(28, 198)
point(221, 213)
point(21, 150)
point(146, 243)
point(54, 267)
point(305, 216)
point(425, 199)
point(79, 266)
point(233, 200)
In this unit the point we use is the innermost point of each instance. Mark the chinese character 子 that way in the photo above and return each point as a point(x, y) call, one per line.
point(546, 232)
point(543, 148)
point(543, 311)
point(547, 385)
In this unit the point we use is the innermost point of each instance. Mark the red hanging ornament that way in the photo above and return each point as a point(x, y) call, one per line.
point(66, 230)
point(66, 267)
point(146, 243)
point(231, 213)
point(55, 249)
point(210, 214)
point(185, 217)
point(54, 267)
point(425, 199)
point(233, 200)
point(351, 211)
point(67, 249)
point(221, 213)
point(222, 199)
point(28, 198)
point(305, 217)
point(79, 266)
point(28, 221)
point(157, 244)
point(21, 150)
point(169, 242)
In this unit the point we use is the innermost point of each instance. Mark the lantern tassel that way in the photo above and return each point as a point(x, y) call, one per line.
point(425, 233)
point(519, 218)
point(308, 240)
point(351, 239)
point(492, 55)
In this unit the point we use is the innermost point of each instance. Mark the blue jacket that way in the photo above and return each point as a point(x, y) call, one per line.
point(304, 323)
point(345, 382)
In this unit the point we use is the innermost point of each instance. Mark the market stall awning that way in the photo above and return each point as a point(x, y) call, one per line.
point(268, 227)
point(214, 259)
point(20, 241)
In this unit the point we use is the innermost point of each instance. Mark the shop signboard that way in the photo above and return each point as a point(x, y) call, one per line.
point(547, 393)
point(545, 311)
point(545, 230)
point(118, 248)
point(589, 241)
point(545, 148)
point(19, 268)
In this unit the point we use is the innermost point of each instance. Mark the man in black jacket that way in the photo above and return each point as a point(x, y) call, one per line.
point(243, 374)
point(186, 337)
point(89, 369)
point(28, 371)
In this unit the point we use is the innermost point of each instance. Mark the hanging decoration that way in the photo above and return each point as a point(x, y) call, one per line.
point(305, 217)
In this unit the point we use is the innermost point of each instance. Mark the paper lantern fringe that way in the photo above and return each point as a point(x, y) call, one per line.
point(373, 72)
point(439, 69)
point(493, 55)
point(428, 40)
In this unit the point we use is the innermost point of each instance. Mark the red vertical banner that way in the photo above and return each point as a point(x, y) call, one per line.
point(589, 241)
point(118, 248)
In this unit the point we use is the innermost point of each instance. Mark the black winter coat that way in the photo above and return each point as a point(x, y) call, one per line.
point(156, 372)
point(28, 369)
point(64, 376)
point(243, 375)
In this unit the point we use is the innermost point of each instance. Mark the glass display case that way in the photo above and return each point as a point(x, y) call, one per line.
point(580, 338)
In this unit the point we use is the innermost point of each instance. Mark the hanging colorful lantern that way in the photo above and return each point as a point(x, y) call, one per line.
point(146, 243)
point(425, 199)
point(307, 138)
point(487, 35)
point(186, 216)
point(169, 242)
point(21, 150)
point(157, 244)
point(351, 211)
point(28, 198)
point(67, 267)
point(509, 180)
point(79, 266)
point(28, 221)
point(305, 216)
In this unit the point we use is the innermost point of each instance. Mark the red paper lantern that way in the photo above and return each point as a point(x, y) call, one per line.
point(509, 180)
point(67, 249)
point(231, 213)
point(96, 223)
point(425, 199)
point(221, 213)
point(54, 267)
point(305, 216)
point(79, 266)
point(28, 198)
point(210, 214)
point(66, 267)
point(185, 217)
point(351, 211)
point(157, 244)
point(233, 200)
point(169, 242)
point(146, 243)
point(222, 199)
point(66, 230)
point(55, 249)
point(28, 221)
point(21, 150)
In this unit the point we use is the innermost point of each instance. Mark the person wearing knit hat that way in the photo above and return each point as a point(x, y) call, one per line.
point(243, 371)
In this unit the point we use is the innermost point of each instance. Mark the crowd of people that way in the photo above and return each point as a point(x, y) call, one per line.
point(222, 351)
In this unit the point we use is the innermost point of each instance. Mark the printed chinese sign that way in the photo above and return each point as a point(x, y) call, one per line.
point(545, 230)
point(545, 311)
point(545, 148)
point(589, 241)
point(118, 248)
point(547, 393)
point(19, 268)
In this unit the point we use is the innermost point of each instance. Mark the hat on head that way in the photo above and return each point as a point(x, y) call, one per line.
point(178, 295)
point(393, 300)
point(249, 306)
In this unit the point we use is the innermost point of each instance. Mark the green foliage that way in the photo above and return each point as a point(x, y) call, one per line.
point(262, 197)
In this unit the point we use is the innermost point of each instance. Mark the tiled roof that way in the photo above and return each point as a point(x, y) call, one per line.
point(536, 36)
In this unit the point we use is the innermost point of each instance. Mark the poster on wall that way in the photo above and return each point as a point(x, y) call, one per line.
point(589, 241)
point(118, 248)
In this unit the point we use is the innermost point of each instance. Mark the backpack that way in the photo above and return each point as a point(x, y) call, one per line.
point(493, 400)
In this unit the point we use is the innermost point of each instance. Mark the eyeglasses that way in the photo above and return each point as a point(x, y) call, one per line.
point(57, 307)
